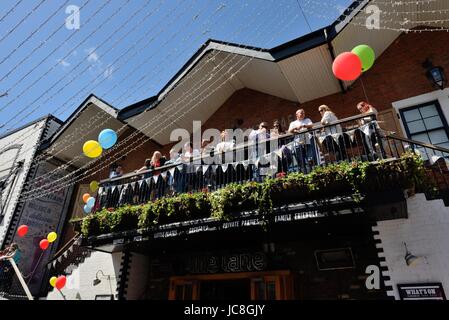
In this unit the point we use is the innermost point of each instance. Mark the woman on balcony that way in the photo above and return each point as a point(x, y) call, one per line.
point(157, 160)
point(285, 153)
point(369, 130)
point(332, 132)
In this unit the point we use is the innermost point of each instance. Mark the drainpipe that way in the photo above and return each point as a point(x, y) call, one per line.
point(332, 53)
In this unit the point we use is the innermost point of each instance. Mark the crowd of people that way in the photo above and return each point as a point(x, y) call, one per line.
point(305, 150)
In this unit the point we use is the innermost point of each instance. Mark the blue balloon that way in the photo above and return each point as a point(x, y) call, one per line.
point(90, 202)
point(107, 138)
point(87, 209)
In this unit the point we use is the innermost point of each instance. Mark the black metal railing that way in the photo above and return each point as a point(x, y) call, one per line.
point(355, 138)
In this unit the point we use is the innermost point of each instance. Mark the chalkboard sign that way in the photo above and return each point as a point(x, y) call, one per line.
point(421, 291)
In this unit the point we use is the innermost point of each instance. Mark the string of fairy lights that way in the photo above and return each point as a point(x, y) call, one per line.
point(81, 131)
point(308, 1)
point(390, 18)
point(136, 143)
point(149, 74)
point(148, 124)
point(354, 20)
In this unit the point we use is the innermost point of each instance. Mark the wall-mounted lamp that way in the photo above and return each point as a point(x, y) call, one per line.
point(97, 280)
point(435, 75)
point(409, 258)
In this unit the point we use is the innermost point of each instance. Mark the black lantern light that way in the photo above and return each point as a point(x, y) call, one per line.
point(435, 74)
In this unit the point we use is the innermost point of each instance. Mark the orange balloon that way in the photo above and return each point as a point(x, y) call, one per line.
point(85, 197)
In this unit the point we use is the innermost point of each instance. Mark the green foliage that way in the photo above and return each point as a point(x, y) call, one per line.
point(343, 179)
point(235, 198)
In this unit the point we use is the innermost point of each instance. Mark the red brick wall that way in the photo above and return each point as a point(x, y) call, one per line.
point(397, 74)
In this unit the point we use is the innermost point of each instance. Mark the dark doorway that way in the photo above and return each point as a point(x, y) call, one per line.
point(238, 289)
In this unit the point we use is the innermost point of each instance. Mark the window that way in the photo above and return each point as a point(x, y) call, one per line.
point(426, 123)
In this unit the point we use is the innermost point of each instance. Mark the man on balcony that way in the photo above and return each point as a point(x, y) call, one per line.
point(305, 151)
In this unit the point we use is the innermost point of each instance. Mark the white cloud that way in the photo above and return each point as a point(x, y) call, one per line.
point(64, 63)
point(92, 55)
point(108, 72)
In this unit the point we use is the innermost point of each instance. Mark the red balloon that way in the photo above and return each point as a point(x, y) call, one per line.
point(44, 244)
point(60, 282)
point(22, 230)
point(347, 66)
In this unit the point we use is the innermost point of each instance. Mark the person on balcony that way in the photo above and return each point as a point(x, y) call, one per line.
point(117, 171)
point(365, 107)
point(175, 178)
point(371, 138)
point(189, 176)
point(157, 160)
point(189, 152)
point(330, 145)
point(256, 148)
point(146, 166)
point(226, 144)
point(305, 151)
point(285, 153)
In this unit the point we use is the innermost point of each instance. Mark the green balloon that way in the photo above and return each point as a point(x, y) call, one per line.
point(366, 55)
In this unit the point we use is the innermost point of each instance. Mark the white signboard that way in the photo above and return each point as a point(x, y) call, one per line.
point(41, 215)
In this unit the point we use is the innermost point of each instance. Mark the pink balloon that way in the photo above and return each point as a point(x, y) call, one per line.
point(44, 244)
point(60, 282)
point(22, 230)
point(347, 66)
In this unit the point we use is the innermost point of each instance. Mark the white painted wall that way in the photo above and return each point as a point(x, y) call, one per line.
point(80, 282)
point(426, 233)
point(28, 138)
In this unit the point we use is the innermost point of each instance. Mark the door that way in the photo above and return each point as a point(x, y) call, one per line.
point(274, 285)
point(183, 290)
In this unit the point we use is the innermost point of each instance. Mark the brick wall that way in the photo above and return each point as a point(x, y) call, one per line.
point(397, 74)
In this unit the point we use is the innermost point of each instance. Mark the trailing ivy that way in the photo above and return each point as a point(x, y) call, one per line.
point(344, 179)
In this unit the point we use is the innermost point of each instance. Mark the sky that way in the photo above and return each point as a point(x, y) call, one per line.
point(125, 51)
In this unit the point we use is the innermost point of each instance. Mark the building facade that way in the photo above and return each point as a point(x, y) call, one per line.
point(326, 247)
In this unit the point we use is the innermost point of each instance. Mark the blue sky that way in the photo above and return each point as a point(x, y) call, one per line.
point(127, 50)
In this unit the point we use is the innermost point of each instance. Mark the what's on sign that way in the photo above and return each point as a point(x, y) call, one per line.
point(421, 291)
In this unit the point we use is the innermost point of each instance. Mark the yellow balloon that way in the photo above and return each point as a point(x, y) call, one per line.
point(92, 149)
point(53, 281)
point(94, 186)
point(52, 237)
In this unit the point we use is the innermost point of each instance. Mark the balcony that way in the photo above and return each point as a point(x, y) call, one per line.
point(351, 166)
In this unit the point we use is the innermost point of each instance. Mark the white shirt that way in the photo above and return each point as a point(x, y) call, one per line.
point(297, 123)
point(195, 153)
point(259, 136)
point(300, 137)
point(224, 146)
point(370, 118)
point(328, 118)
